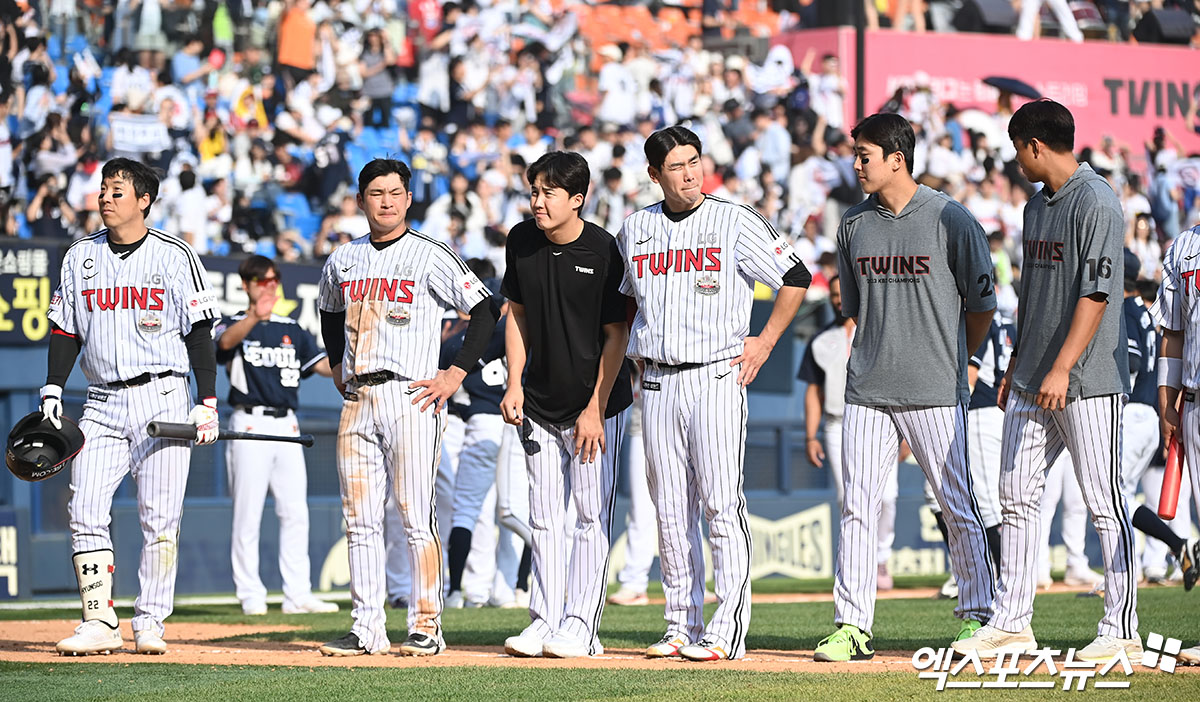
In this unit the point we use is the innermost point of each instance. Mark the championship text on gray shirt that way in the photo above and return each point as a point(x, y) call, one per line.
point(906, 278)
point(1074, 247)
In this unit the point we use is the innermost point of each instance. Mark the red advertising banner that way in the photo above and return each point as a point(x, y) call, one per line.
point(1124, 90)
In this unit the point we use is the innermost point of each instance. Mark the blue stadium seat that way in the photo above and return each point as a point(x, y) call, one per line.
point(62, 79)
point(307, 225)
point(293, 205)
point(76, 44)
point(23, 230)
point(221, 248)
point(54, 47)
point(265, 247)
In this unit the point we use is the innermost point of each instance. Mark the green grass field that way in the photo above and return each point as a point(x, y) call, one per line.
point(1061, 621)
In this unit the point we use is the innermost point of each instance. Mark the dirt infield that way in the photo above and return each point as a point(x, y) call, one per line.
point(197, 643)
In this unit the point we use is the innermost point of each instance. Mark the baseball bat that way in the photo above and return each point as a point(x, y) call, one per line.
point(176, 430)
point(1168, 499)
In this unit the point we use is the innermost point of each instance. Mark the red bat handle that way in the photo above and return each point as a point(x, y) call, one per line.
point(1168, 499)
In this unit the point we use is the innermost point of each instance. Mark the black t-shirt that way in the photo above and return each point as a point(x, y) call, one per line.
point(569, 293)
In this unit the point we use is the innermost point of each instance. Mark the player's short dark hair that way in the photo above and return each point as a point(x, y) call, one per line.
point(187, 180)
point(890, 132)
point(1044, 120)
point(481, 267)
point(562, 169)
point(381, 167)
point(661, 142)
point(256, 268)
point(143, 178)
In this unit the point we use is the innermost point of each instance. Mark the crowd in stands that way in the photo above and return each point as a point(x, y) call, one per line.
point(261, 112)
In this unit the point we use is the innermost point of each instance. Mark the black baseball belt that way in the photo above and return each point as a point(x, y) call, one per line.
point(673, 366)
point(376, 378)
point(265, 410)
point(139, 380)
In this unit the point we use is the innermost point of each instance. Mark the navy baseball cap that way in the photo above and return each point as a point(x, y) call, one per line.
point(1133, 266)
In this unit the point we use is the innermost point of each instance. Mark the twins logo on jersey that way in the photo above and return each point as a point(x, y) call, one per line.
point(894, 265)
point(682, 260)
point(1190, 280)
point(125, 297)
point(1042, 250)
point(378, 290)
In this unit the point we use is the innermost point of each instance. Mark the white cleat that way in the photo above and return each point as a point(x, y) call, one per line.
point(91, 637)
point(527, 644)
point(149, 643)
point(1104, 648)
point(254, 609)
point(949, 589)
point(1189, 656)
point(626, 597)
point(989, 642)
point(566, 646)
point(667, 646)
point(1083, 578)
point(454, 600)
point(312, 605)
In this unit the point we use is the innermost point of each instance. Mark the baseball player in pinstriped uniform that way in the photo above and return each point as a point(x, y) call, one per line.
point(984, 421)
point(1178, 367)
point(1140, 434)
point(824, 369)
point(917, 278)
point(266, 355)
point(1064, 384)
point(382, 298)
point(691, 262)
point(568, 320)
point(136, 303)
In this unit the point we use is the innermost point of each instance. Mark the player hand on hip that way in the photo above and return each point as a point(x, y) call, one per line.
point(755, 352)
point(52, 405)
point(438, 390)
point(204, 416)
point(338, 382)
point(1053, 393)
point(512, 407)
point(589, 434)
point(816, 452)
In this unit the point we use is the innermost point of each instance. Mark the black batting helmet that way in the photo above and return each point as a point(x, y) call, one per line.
point(36, 450)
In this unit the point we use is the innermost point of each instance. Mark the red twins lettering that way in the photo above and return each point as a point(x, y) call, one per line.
point(1190, 279)
point(896, 265)
point(682, 260)
point(123, 298)
point(377, 290)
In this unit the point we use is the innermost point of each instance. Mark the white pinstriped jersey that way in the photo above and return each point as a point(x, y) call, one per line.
point(394, 301)
point(132, 313)
point(694, 279)
point(1176, 307)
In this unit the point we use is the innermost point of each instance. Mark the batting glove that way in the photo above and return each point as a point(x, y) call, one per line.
point(204, 416)
point(52, 405)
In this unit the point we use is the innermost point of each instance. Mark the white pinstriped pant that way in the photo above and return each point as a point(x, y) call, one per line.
point(871, 444)
point(380, 434)
point(1190, 428)
point(116, 443)
point(1090, 428)
point(695, 433)
point(567, 593)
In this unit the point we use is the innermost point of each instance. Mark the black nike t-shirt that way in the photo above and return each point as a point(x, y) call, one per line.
point(569, 293)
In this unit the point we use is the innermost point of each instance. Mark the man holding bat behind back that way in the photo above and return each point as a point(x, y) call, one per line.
point(1178, 313)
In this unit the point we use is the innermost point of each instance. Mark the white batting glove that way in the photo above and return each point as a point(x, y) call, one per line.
point(52, 405)
point(204, 416)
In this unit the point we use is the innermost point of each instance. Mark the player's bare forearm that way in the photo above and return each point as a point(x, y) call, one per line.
point(236, 332)
point(972, 376)
point(322, 367)
point(757, 349)
point(978, 324)
point(1088, 312)
point(512, 407)
point(812, 424)
point(1168, 396)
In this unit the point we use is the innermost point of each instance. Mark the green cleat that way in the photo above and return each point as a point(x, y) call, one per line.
point(968, 629)
point(845, 644)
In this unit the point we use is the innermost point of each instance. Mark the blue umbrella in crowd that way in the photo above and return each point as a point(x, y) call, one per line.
point(1014, 86)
